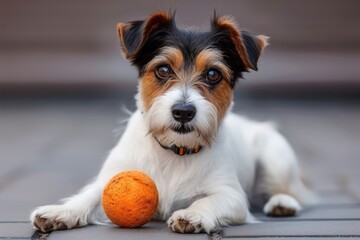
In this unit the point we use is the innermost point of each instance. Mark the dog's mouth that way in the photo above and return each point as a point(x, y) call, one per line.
point(182, 129)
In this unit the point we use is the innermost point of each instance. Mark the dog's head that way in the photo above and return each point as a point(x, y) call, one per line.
point(187, 76)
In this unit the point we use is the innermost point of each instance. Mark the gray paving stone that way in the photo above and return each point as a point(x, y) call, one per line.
point(50, 155)
point(53, 150)
point(14, 210)
point(342, 212)
point(153, 230)
point(41, 138)
point(292, 238)
point(353, 188)
point(38, 188)
point(337, 197)
point(15, 230)
point(291, 228)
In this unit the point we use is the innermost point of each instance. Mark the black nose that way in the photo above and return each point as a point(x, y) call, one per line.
point(183, 112)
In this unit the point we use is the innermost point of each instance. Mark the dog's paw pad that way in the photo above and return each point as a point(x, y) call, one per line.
point(57, 217)
point(282, 211)
point(282, 205)
point(182, 222)
point(47, 225)
point(183, 226)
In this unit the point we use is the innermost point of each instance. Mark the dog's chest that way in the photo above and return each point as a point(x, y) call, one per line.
point(178, 188)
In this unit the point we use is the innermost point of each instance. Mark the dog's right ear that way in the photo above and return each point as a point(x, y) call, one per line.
point(134, 35)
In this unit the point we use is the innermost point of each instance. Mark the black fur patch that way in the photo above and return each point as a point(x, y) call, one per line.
point(190, 43)
point(251, 47)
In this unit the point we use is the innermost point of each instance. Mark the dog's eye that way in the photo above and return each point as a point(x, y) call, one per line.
point(213, 76)
point(163, 72)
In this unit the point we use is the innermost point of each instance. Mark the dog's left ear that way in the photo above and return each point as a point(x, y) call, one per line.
point(134, 35)
point(248, 46)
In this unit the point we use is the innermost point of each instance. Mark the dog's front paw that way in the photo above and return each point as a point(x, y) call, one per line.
point(282, 205)
point(56, 217)
point(47, 225)
point(186, 221)
point(183, 221)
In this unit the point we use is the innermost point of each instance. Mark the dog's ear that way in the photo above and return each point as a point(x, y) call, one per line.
point(247, 45)
point(134, 35)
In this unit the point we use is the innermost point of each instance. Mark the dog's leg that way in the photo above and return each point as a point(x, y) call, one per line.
point(81, 209)
point(280, 175)
point(225, 206)
point(74, 212)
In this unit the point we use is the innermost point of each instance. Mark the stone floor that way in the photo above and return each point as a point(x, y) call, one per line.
point(50, 149)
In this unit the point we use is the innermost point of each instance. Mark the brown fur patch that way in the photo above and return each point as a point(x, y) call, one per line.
point(211, 58)
point(169, 55)
point(121, 28)
point(150, 86)
point(153, 22)
point(221, 97)
point(222, 94)
point(235, 35)
point(151, 89)
point(263, 41)
point(226, 22)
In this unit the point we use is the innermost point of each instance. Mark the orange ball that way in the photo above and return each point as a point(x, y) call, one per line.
point(130, 199)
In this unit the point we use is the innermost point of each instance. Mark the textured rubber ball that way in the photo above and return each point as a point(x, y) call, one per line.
point(130, 199)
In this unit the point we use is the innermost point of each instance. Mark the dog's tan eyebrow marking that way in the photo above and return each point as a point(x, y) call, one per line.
point(212, 58)
point(168, 55)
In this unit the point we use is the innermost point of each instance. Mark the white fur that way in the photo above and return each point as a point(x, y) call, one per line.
point(208, 189)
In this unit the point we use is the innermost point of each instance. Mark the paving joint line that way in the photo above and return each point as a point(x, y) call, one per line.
point(14, 222)
point(309, 219)
point(293, 236)
point(40, 235)
point(15, 238)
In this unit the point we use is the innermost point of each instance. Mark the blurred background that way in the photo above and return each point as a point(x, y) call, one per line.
point(63, 82)
point(70, 47)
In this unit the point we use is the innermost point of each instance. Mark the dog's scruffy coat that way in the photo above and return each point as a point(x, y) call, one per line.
point(202, 157)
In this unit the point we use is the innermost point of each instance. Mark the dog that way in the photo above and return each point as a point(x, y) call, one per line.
point(202, 157)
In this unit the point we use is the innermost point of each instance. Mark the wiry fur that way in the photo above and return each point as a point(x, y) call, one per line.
point(209, 189)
